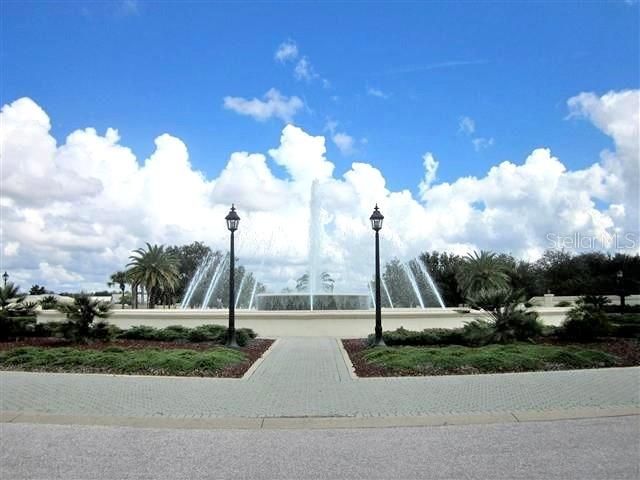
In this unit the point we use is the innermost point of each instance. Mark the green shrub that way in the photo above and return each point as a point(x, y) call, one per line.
point(47, 329)
point(587, 320)
point(429, 336)
point(477, 333)
point(487, 359)
point(243, 335)
point(550, 331)
point(208, 333)
point(173, 333)
point(17, 317)
point(177, 333)
point(504, 312)
point(49, 303)
point(80, 315)
point(14, 325)
point(139, 332)
point(626, 330)
point(626, 318)
point(515, 325)
point(154, 361)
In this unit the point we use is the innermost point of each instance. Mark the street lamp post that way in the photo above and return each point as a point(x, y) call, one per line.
point(376, 223)
point(232, 224)
point(5, 277)
point(620, 278)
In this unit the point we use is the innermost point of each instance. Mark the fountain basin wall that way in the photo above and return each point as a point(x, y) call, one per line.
point(331, 323)
point(321, 301)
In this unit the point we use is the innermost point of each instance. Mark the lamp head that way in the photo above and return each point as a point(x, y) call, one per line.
point(232, 219)
point(376, 219)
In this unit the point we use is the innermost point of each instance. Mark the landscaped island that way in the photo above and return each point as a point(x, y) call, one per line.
point(85, 342)
point(173, 350)
point(508, 338)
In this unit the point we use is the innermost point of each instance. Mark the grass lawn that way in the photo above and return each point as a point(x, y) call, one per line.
point(489, 359)
point(146, 361)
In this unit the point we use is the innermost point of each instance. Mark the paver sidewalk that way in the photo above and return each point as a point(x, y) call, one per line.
point(308, 377)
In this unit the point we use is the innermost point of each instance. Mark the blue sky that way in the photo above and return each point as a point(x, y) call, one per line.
point(147, 68)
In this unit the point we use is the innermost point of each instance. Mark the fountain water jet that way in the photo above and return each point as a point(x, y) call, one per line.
point(253, 292)
point(240, 289)
point(214, 281)
point(315, 232)
point(425, 272)
point(414, 284)
point(384, 285)
point(195, 281)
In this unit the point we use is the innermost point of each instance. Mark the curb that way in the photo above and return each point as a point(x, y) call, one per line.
point(251, 370)
point(295, 423)
point(347, 360)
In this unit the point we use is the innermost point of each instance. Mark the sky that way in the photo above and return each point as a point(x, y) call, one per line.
point(510, 126)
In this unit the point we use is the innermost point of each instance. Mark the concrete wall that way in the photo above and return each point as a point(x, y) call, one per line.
point(346, 324)
point(550, 300)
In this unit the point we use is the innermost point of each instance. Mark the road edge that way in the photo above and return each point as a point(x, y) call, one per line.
point(269, 423)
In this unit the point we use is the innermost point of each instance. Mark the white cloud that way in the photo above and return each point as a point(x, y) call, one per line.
point(480, 143)
point(430, 171)
point(342, 140)
point(375, 92)
point(275, 105)
point(129, 7)
point(466, 125)
point(344, 143)
point(304, 70)
point(617, 114)
point(76, 238)
point(11, 249)
point(287, 51)
point(59, 273)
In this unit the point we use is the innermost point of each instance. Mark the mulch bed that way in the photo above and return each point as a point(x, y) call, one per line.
point(626, 349)
point(253, 350)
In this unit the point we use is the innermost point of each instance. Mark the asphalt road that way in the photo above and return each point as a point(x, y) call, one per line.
point(603, 448)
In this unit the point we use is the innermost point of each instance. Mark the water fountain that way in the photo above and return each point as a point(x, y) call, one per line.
point(316, 295)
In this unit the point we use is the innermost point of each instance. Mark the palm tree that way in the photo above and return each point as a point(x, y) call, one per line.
point(17, 317)
point(482, 271)
point(156, 270)
point(10, 292)
point(80, 316)
point(119, 278)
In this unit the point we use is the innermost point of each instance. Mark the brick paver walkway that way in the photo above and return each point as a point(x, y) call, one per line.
point(309, 377)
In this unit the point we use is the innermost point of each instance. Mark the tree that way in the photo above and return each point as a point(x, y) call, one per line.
point(10, 292)
point(37, 290)
point(326, 282)
point(17, 317)
point(156, 270)
point(443, 268)
point(482, 271)
point(190, 257)
point(560, 274)
point(121, 279)
point(398, 287)
point(80, 315)
point(587, 319)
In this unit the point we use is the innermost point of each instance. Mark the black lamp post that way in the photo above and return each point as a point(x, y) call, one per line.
point(620, 281)
point(376, 223)
point(5, 277)
point(232, 224)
